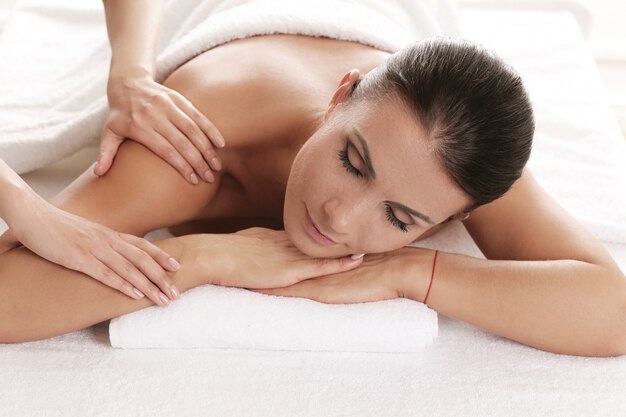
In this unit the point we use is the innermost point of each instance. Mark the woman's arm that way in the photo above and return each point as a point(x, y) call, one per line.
point(547, 282)
point(140, 193)
point(77, 243)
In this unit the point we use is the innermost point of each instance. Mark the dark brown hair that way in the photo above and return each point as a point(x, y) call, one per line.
point(473, 106)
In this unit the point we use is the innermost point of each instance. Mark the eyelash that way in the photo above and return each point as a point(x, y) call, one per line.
point(343, 156)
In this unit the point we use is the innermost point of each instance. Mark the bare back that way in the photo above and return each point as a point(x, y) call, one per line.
point(288, 81)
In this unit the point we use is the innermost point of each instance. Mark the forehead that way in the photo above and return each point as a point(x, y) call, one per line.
point(407, 170)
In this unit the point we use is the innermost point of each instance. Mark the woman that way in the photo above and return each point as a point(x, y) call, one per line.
point(387, 140)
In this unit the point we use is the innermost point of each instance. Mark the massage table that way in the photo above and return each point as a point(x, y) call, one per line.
point(466, 372)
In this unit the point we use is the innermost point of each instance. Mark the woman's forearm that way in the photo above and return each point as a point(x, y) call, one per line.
point(133, 27)
point(562, 306)
point(40, 299)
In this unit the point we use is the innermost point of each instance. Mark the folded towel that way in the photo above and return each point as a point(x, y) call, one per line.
point(55, 104)
point(212, 316)
point(224, 317)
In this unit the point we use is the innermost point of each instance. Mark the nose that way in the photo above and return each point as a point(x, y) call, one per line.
point(343, 213)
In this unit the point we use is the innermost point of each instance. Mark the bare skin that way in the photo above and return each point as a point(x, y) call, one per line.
point(267, 107)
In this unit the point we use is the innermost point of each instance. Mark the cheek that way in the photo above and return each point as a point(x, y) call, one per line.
point(312, 171)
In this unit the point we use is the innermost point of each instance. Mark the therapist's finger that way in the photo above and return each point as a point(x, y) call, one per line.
point(109, 144)
point(129, 273)
point(209, 129)
point(149, 267)
point(161, 146)
point(159, 255)
point(185, 147)
point(101, 272)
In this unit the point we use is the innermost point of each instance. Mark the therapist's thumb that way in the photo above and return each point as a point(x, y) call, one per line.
point(109, 145)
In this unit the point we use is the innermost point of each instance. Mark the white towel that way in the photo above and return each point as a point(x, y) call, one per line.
point(235, 318)
point(53, 100)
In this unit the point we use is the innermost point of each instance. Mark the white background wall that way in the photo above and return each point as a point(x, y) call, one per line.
point(607, 40)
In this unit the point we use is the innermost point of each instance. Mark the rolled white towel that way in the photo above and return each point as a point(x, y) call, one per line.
point(212, 316)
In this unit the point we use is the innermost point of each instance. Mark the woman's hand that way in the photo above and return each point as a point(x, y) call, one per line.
point(118, 260)
point(162, 120)
point(253, 258)
point(381, 276)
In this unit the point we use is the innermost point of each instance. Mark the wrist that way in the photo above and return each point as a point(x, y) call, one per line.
point(126, 77)
point(415, 270)
point(134, 70)
point(201, 258)
point(16, 197)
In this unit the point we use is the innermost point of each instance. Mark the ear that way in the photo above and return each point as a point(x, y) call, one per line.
point(349, 80)
point(462, 216)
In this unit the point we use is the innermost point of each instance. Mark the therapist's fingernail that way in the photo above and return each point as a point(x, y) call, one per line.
point(215, 163)
point(355, 256)
point(174, 264)
point(209, 176)
point(164, 300)
point(194, 179)
point(174, 291)
point(220, 141)
point(138, 293)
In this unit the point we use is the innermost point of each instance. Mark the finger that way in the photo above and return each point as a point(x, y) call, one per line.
point(197, 137)
point(159, 255)
point(162, 147)
point(316, 267)
point(130, 275)
point(201, 120)
point(101, 272)
point(185, 124)
point(151, 260)
point(185, 148)
point(148, 267)
point(109, 145)
point(310, 289)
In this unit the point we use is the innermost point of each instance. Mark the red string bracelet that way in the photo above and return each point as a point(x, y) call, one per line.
point(432, 275)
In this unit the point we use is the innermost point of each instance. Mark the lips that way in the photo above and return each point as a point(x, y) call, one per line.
point(316, 233)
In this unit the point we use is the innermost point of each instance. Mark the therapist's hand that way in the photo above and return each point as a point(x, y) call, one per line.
point(165, 122)
point(121, 261)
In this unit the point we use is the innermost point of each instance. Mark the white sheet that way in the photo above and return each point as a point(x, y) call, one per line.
point(467, 371)
point(50, 111)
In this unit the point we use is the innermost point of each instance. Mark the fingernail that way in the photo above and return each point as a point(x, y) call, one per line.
point(174, 264)
point(163, 299)
point(174, 291)
point(215, 163)
point(138, 293)
point(194, 179)
point(220, 141)
point(355, 256)
point(209, 176)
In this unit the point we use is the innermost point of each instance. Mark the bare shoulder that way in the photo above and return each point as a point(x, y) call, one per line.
point(526, 223)
point(246, 97)
point(140, 193)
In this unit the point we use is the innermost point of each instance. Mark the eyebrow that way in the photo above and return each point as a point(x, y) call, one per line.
point(372, 172)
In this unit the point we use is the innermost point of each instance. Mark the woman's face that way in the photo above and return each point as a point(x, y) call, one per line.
point(360, 208)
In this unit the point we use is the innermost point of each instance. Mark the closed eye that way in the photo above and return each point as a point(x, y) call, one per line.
point(343, 156)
